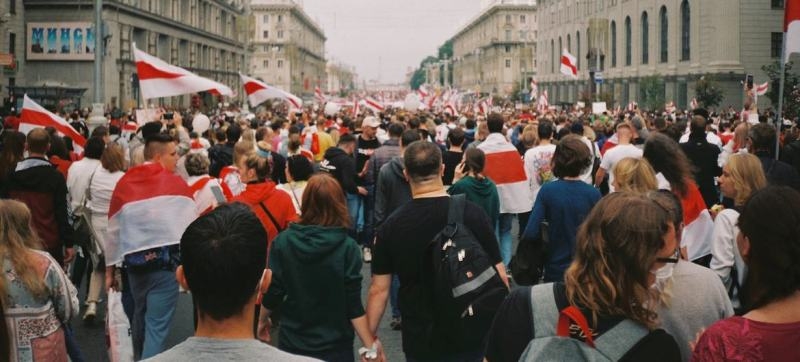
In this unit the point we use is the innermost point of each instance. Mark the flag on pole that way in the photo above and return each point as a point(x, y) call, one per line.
point(791, 26)
point(373, 104)
point(35, 116)
point(258, 92)
point(355, 106)
point(693, 104)
point(569, 64)
point(158, 78)
point(761, 89)
point(319, 95)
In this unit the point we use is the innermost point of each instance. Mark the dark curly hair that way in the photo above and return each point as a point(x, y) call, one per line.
point(667, 157)
point(571, 157)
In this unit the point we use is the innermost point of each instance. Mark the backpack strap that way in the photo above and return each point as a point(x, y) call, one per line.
point(272, 218)
point(617, 341)
point(544, 310)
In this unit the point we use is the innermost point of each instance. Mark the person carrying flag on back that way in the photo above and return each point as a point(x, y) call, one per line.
point(150, 208)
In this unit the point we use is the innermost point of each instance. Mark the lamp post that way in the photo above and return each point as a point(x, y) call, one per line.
point(97, 117)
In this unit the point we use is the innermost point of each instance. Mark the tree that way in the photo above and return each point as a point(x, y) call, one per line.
point(418, 78)
point(708, 92)
point(791, 105)
point(651, 92)
point(446, 52)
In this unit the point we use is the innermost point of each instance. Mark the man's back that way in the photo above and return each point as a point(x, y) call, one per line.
point(199, 349)
point(703, 156)
point(396, 252)
point(779, 172)
point(392, 190)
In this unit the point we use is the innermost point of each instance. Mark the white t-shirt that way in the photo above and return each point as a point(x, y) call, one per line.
point(586, 176)
point(101, 188)
point(537, 167)
point(613, 156)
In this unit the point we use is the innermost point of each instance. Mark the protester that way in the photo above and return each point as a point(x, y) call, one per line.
point(691, 297)
point(453, 156)
point(384, 154)
point(37, 184)
point(704, 157)
point(470, 181)
point(634, 175)
point(507, 170)
point(741, 176)
point(769, 242)
point(298, 171)
point(340, 163)
point(221, 154)
point(35, 290)
point(761, 142)
point(149, 210)
point(366, 144)
point(563, 203)
point(12, 153)
point(623, 149)
point(400, 247)
point(617, 253)
point(273, 207)
point(207, 190)
point(315, 260)
point(224, 249)
point(587, 135)
point(538, 159)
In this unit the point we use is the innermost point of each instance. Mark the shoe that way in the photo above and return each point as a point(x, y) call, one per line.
point(367, 255)
point(91, 312)
point(396, 324)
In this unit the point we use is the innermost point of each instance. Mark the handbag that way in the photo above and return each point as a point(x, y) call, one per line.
point(83, 231)
point(118, 329)
point(527, 265)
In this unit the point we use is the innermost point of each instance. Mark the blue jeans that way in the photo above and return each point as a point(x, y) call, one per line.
point(504, 237)
point(155, 295)
point(368, 207)
point(355, 207)
point(394, 292)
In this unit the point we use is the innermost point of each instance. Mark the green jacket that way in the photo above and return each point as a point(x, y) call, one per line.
point(480, 192)
point(316, 276)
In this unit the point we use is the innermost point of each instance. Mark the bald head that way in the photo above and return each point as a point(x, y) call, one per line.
point(38, 141)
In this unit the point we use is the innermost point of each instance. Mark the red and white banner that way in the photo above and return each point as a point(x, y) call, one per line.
point(761, 89)
point(259, 92)
point(204, 195)
point(693, 104)
point(373, 104)
point(423, 93)
point(355, 106)
point(569, 64)
point(506, 169)
point(319, 95)
point(699, 225)
point(150, 207)
point(35, 116)
point(791, 26)
point(158, 78)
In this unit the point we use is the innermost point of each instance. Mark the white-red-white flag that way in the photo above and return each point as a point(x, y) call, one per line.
point(35, 116)
point(355, 106)
point(761, 89)
point(569, 64)
point(158, 78)
point(423, 92)
point(259, 92)
point(374, 104)
point(321, 98)
point(791, 26)
point(693, 104)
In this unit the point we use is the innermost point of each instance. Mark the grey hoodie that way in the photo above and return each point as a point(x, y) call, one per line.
point(391, 190)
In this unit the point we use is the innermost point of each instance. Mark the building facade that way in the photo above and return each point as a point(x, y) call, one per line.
point(206, 37)
point(288, 47)
point(496, 51)
point(673, 41)
point(12, 47)
point(341, 79)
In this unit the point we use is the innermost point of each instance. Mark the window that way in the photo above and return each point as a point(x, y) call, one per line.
point(266, 64)
point(508, 19)
point(613, 44)
point(560, 45)
point(569, 43)
point(645, 38)
point(628, 40)
point(508, 49)
point(776, 4)
point(578, 54)
point(508, 63)
point(280, 34)
point(552, 57)
point(280, 64)
point(266, 34)
point(776, 45)
point(685, 31)
point(12, 6)
point(508, 35)
point(12, 43)
point(683, 94)
point(522, 35)
point(664, 27)
point(265, 19)
point(522, 19)
point(280, 18)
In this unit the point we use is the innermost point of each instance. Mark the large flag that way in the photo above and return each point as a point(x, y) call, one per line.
point(761, 89)
point(699, 225)
point(373, 104)
point(158, 78)
point(259, 92)
point(319, 95)
point(150, 207)
point(791, 26)
point(569, 65)
point(35, 116)
point(506, 169)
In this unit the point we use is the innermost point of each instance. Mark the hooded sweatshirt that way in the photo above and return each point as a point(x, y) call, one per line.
point(482, 192)
point(391, 191)
point(277, 202)
point(316, 276)
point(342, 167)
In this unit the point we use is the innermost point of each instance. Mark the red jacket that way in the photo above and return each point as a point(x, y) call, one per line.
point(276, 201)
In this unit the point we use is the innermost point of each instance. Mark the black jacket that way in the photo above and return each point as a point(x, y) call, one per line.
point(342, 167)
point(791, 154)
point(777, 172)
point(220, 155)
point(391, 190)
point(704, 158)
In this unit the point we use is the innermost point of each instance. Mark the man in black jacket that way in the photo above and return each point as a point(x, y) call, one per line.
point(761, 139)
point(703, 156)
point(38, 184)
point(341, 164)
point(791, 152)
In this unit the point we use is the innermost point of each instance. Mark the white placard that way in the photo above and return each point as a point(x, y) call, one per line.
point(598, 107)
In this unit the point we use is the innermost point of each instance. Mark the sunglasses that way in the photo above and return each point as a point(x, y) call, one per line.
point(673, 259)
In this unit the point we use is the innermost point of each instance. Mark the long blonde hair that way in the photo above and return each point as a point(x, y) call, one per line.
point(747, 175)
point(17, 238)
point(635, 175)
point(615, 249)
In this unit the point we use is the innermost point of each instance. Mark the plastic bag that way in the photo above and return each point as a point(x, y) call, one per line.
point(118, 330)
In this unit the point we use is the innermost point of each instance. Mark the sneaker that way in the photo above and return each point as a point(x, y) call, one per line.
point(91, 312)
point(367, 255)
point(396, 324)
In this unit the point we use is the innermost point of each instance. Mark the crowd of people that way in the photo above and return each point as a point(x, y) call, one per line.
point(641, 236)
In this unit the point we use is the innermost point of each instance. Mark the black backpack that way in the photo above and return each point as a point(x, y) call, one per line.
point(466, 288)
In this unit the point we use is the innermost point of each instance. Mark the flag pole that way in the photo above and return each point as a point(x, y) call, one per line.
point(779, 118)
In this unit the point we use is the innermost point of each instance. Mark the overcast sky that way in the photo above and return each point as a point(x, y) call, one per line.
point(382, 38)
